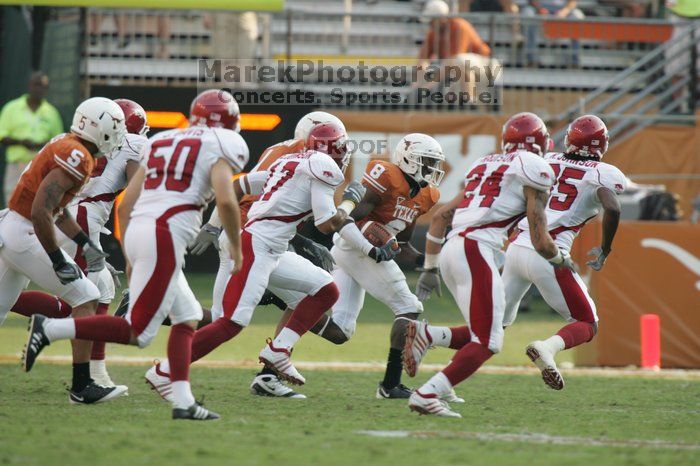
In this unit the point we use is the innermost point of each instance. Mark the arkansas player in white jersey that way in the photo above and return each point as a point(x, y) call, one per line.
point(161, 214)
point(499, 190)
point(583, 186)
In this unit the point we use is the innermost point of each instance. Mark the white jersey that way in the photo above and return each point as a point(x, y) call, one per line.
point(494, 200)
point(178, 165)
point(108, 179)
point(574, 199)
point(298, 186)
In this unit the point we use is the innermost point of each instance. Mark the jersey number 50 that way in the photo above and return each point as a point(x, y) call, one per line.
point(167, 164)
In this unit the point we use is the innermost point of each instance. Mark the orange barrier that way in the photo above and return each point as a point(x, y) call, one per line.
point(611, 32)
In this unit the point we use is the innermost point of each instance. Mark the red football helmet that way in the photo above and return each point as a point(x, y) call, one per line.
point(526, 131)
point(134, 116)
point(215, 108)
point(587, 136)
point(331, 139)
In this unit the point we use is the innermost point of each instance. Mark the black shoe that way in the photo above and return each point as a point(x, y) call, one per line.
point(36, 341)
point(400, 391)
point(94, 393)
point(196, 412)
point(123, 304)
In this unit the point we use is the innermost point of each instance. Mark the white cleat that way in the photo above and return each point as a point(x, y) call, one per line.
point(271, 386)
point(430, 404)
point(451, 397)
point(542, 356)
point(278, 360)
point(418, 341)
point(160, 382)
point(98, 373)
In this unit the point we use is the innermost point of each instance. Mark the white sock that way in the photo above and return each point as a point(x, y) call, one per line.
point(555, 343)
point(286, 339)
point(437, 384)
point(182, 394)
point(59, 329)
point(165, 366)
point(442, 336)
point(97, 366)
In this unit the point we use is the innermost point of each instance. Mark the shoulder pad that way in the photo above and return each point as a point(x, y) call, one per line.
point(323, 168)
point(610, 177)
point(434, 194)
point(382, 176)
point(233, 147)
point(534, 171)
point(131, 148)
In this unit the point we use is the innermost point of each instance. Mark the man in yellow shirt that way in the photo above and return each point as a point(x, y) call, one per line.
point(26, 124)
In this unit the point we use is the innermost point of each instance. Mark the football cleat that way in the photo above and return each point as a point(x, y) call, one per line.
point(418, 341)
point(451, 397)
point(94, 393)
point(398, 392)
point(278, 360)
point(195, 412)
point(160, 382)
point(123, 307)
point(543, 358)
point(270, 385)
point(430, 404)
point(36, 341)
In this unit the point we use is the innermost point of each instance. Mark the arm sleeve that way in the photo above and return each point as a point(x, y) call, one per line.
point(324, 169)
point(612, 178)
point(253, 183)
point(354, 236)
point(234, 149)
point(132, 147)
point(72, 160)
point(322, 201)
point(534, 172)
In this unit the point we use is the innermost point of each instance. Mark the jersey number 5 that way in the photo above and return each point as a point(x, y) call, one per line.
point(177, 174)
point(564, 193)
point(490, 185)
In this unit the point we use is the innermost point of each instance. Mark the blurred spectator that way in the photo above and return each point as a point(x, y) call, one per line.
point(628, 8)
point(558, 8)
point(139, 22)
point(695, 216)
point(685, 14)
point(488, 6)
point(234, 35)
point(26, 124)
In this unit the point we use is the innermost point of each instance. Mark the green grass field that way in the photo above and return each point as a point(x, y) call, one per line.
point(508, 419)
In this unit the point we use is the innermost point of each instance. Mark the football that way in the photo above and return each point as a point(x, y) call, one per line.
point(377, 234)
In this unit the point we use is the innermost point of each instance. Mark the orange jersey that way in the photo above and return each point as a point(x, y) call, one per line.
point(270, 156)
point(64, 152)
point(397, 209)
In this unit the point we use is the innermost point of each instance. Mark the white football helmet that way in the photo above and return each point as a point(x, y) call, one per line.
point(100, 121)
point(312, 119)
point(420, 157)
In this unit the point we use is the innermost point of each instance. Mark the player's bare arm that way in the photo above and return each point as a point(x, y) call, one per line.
point(537, 219)
point(48, 197)
point(611, 220)
point(227, 207)
point(439, 223)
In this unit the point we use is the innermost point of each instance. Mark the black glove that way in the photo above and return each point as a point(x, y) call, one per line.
point(317, 254)
point(386, 252)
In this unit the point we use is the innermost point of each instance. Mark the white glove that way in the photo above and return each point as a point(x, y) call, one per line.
point(428, 281)
point(94, 257)
point(115, 275)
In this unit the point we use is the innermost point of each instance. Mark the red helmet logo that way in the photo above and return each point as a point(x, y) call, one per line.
point(526, 131)
point(215, 108)
point(330, 139)
point(134, 116)
point(587, 136)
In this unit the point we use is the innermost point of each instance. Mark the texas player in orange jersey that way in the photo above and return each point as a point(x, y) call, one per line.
point(397, 193)
point(29, 250)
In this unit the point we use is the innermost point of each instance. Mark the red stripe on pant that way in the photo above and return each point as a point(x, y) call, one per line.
point(81, 219)
point(237, 283)
point(574, 296)
point(481, 302)
point(152, 295)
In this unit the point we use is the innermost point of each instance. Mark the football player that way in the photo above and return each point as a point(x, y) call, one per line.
point(161, 215)
point(30, 248)
point(584, 185)
point(92, 208)
point(499, 190)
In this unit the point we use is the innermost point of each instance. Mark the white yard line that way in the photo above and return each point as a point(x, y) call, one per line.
point(380, 366)
point(531, 438)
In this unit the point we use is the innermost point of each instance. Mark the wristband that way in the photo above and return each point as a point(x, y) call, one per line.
point(431, 261)
point(556, 259)
point(346, 206)
point(434, 239)
point(56, 257)
point(81, 239)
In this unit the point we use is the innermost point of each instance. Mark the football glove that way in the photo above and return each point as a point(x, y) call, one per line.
point(94, 257)
point(313, 251)
point(354, 192)
point(67, 272)
point(428, 281)
point(386, 252)
point(207, 236)
point(599, 261)
point(115, 274)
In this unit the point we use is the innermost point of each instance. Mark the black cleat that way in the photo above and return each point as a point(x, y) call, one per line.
point(398, 392)
point(196, 412)
point(36, 341)
point(123, 304)
point(94, 393)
